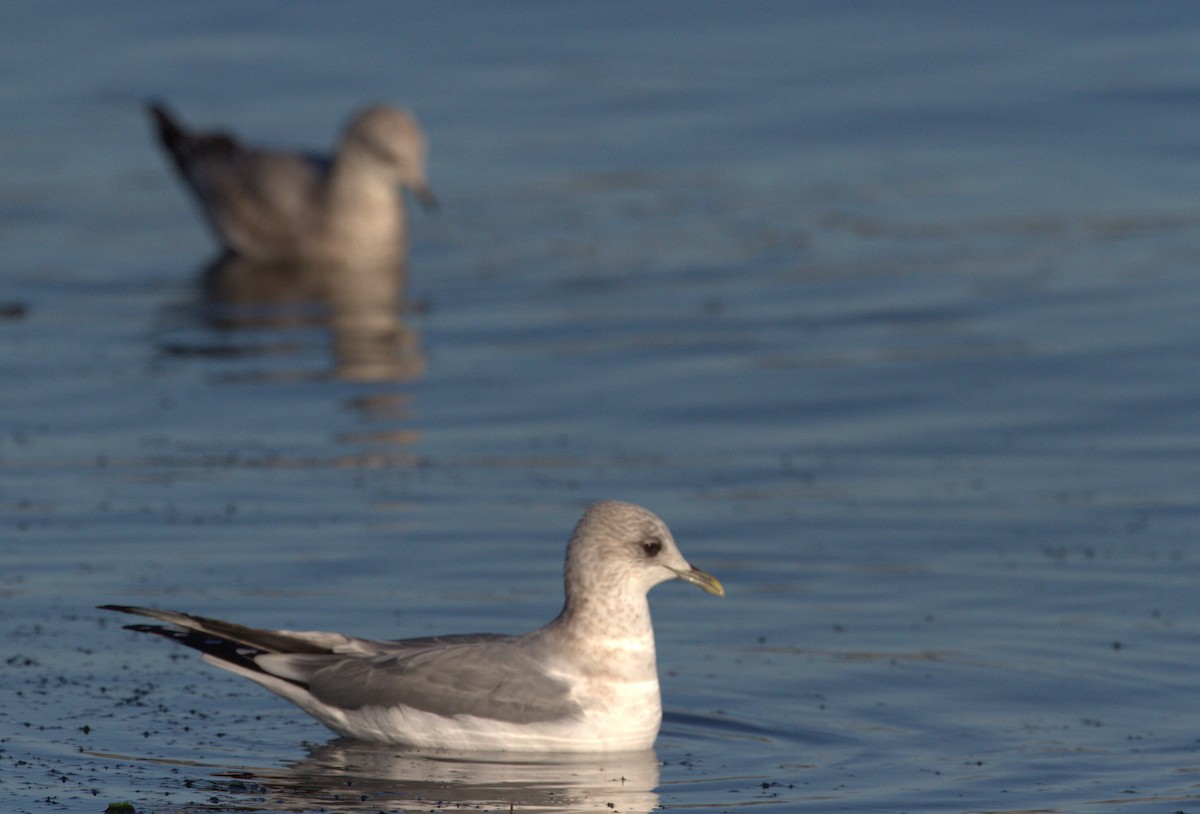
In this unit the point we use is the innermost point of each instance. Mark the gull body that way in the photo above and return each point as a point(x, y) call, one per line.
point(585, 682)
point(273, 206)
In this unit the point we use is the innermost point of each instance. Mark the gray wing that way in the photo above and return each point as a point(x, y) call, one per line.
point(259, 202)
point(486, 676)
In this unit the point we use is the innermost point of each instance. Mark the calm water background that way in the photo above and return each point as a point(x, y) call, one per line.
point(889, 310)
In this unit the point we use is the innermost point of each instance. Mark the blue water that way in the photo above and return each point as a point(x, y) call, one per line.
point(887, 309)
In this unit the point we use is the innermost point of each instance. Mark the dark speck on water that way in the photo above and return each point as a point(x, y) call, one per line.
point(888, 310)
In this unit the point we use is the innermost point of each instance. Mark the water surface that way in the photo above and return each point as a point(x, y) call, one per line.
point(888, 311)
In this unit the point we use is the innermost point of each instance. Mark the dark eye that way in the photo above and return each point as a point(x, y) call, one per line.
point(652, 545)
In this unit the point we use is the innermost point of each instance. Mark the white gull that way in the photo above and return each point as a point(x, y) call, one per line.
point(585, 682)
point(273, 206)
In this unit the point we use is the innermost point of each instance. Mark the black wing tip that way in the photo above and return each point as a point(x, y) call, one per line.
point(169, 130)
point(135, 610)
point(162, 631)
point(164, 616)
point(186, 146)
point(216, 647)
point(158, 109)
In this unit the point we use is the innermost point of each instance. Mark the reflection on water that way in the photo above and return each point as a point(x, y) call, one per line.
point(351, 776)
point(359, 304)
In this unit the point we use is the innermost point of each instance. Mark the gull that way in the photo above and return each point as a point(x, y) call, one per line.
point(585, 682)
point(271, 206)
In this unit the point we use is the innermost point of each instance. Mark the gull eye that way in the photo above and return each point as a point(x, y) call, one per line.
point(652, 546)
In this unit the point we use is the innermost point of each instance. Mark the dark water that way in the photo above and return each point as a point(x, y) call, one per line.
point(889, 310)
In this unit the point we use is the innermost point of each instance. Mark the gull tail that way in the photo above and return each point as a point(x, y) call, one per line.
point(220, 641)
point(170, 133)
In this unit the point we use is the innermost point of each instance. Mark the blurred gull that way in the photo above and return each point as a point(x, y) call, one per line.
point(283, 207)
point(585, 682)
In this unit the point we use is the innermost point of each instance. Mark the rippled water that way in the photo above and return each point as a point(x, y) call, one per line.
point(888, 310)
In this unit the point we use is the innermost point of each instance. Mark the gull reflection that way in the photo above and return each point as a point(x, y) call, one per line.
point(360, 304)
point(352, 776)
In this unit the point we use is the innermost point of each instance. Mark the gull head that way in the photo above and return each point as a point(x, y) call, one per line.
point(393, 140)
point(620, 547)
